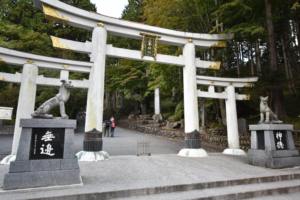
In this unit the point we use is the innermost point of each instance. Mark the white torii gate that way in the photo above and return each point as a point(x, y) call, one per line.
point(29, 79)
point(230, 101)
point(98, 50)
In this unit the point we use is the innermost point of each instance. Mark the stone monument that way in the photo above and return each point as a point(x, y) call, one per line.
point(272, 143)
point(45, 155)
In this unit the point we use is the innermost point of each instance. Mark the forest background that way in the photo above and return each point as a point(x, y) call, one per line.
point(266, 44)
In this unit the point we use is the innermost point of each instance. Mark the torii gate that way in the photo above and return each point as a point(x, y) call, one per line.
point(230, 102)
point(29, 79)
point(98, 50)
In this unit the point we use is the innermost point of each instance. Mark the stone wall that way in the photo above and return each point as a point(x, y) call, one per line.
point(214, 139)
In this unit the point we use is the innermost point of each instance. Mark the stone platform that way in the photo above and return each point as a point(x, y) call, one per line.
point(45, 155)
point(168, 177)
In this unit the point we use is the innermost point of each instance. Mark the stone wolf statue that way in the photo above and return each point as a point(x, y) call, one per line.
point(265, 110)
point(58, 100)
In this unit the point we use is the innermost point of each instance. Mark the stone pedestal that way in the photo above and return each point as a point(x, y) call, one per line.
point(272, 146)
point(92, 147)
point(192, 146)
point(45, 155)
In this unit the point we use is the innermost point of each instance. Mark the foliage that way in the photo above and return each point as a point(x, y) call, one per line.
point(23, 27)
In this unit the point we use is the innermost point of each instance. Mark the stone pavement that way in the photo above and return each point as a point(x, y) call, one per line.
point(125, 173)
point(124, 143)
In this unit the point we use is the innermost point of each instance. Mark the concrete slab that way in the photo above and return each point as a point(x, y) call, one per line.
point(132, 172)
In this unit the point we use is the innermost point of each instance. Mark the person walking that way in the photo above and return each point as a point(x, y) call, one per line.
point(112, 126)
point(106, 128)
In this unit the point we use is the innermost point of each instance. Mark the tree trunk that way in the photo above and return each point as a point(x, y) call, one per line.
point(251, 59)
point(287, 66)
point(222, 107)
point(202, 112)
point(238, 60)
point(271, 36)
point(276, 91)
point(258, 62)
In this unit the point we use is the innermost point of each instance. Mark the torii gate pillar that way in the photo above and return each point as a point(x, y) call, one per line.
point(26, 100)
point(25, 107)
point(94, 110)
point(92, 144)
point(232, 124)
point(191, 115)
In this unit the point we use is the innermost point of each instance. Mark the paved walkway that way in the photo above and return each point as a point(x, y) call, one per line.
point(124, 143)
point(132, 172)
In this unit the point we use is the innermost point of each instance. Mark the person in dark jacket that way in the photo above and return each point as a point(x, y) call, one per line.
point(106, 128)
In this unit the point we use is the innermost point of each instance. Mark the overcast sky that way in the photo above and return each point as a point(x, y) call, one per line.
point(111, 8)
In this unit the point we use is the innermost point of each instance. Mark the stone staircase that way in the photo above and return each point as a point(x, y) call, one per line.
point(251, 188)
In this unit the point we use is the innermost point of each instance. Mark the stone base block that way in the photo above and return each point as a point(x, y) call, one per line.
point(92, 156)
point(41, 179)
point(92, 141)
point(8, 159)
point(274, 159)
point(192, 140)
point(192, 153)
point(235, 152)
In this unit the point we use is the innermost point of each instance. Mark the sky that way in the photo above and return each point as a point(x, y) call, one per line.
point(112, 8)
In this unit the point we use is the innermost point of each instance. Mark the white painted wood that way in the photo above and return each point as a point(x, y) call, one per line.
point(213, 95)
point(8, 77)
point(136, 55)
point(64, 75)
point(20, 58)
point(116, 52)
point(26, 100)
point(224, 82)
point(156, 101)
point(221, 95)
point(191, 115)
point(94, 111)
point(45, 81)
point(84, 19)
point(41, 80)
point(231, 119)
point(79, 47)
point(211, 89)
point(5, 113)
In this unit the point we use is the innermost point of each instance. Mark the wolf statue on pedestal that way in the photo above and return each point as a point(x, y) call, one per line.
point(58, 100)
point(271, 117)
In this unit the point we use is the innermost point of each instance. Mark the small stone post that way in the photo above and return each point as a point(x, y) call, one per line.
point(232, 124)
point(26, 100)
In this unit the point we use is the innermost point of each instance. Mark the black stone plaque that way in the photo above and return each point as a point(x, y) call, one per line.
point(280, 140)
point(260, 140)
point(47, 143)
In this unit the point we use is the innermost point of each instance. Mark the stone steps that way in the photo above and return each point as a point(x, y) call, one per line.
point(218, 190)
point(229, 192)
